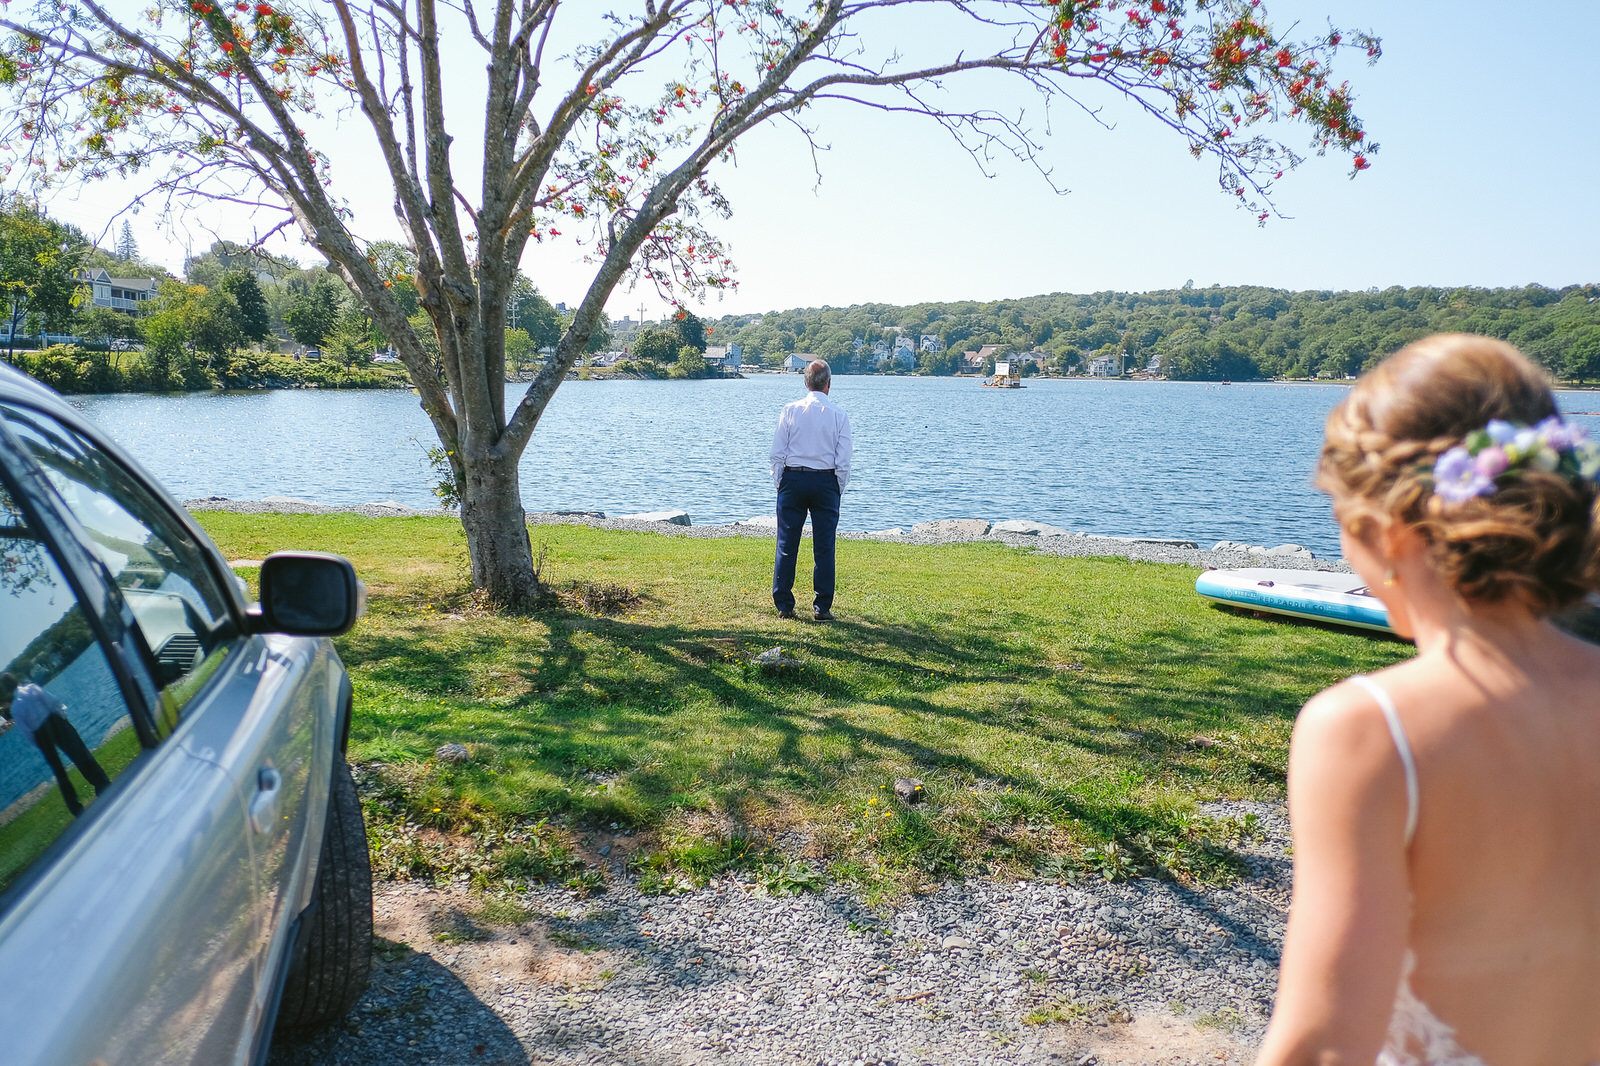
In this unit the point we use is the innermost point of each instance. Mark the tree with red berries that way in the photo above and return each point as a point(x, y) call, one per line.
point(614, 143)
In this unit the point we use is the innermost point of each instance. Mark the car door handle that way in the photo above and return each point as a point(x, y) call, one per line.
point(264, 807)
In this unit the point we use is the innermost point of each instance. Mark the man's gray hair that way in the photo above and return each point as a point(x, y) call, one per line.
point(818, 375)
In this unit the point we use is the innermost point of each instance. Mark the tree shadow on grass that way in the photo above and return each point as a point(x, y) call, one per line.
point(876, 698)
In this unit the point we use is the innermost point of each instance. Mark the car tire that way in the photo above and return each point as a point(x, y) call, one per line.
point(328, 977)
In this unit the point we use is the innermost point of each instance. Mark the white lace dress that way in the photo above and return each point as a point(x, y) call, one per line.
point(1416, 1036)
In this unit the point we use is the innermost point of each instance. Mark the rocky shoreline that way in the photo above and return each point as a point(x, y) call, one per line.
point(1047, 539)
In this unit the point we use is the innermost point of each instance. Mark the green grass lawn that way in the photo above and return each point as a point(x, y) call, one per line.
point(1051, 706)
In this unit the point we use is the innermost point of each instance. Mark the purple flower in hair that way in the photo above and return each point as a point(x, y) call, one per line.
point(1500, 431)
point(1492, 461)
point(1557, 434)
point(1456, 477)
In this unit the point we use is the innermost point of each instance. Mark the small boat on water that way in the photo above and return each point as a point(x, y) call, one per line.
point(1315, 595)
point(1005, 377)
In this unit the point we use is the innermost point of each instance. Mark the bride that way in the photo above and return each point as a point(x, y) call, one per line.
point(1447, 810)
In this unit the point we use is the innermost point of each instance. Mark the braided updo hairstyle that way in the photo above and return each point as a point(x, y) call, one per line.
point(1534, 540)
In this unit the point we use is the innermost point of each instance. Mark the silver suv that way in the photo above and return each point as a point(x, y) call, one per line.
point(182, 857)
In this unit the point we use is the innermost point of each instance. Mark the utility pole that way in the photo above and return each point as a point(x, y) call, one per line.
point(641, 315)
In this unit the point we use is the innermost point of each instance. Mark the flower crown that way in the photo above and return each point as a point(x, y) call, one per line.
point(1471, 468)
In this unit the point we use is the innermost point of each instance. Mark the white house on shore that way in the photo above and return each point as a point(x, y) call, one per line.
point(798, 362)
point(725, 355)
point(901, 358)
point(119, 294)
point(1106, 366)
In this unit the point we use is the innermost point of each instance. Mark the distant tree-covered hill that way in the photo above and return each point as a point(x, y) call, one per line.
point(1237, 333)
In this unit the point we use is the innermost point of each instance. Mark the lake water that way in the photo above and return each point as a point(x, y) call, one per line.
point(1170, 459)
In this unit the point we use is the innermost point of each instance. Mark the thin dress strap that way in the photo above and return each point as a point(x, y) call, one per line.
point(1401, 745)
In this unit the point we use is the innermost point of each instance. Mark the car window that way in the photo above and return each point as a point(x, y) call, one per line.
point(160, 568)
point(65, 728)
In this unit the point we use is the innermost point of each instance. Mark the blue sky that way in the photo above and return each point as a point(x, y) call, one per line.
point(1484, 177)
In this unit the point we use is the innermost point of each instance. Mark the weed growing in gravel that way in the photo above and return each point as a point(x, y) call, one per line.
point(1079, 1012)
point(688, 862)
point(573, 941)
point(498, 910)
point(1227, 1019)
point(390, 950)
point(787, 878)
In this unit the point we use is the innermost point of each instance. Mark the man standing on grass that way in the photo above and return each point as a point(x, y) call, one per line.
point(810, 467)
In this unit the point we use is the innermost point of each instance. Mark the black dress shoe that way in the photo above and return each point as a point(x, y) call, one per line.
point(786, 612)
point(823, 615)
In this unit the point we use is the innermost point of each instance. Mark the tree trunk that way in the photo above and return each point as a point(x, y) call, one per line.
point(497, 534)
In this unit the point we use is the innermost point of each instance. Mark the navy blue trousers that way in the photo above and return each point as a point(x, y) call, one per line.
point(801, 492)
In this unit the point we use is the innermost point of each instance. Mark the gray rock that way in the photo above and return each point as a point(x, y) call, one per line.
point(1154, 542)
point(776, 660)
point(455, 753)
point(909, 789)
point(676, 518)
point(892, 531)
point(1023, 527)
point(956, 943)
point(951, 527)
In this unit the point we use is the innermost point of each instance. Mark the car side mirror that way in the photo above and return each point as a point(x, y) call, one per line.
point(308, 594)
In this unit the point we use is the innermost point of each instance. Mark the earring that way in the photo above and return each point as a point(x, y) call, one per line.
point(1389, 577)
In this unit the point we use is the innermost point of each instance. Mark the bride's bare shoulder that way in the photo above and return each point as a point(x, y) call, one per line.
point(1342, 718)
point(1574, 660)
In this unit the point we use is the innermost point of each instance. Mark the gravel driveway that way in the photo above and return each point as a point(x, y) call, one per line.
point(978, 972)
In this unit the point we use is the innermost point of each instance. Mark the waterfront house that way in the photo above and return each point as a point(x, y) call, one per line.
point(930, 343)
point(1105, 366)
point(971, 363)
point(119, 294)
point(730, 355)
point(798, 362)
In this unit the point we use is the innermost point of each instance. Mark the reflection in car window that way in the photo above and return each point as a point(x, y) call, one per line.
point(64, 725)
point(161, 570)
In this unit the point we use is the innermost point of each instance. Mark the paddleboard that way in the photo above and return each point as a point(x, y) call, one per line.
point(1316, 595)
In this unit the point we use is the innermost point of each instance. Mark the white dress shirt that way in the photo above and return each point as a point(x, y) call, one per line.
point(813, 432)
